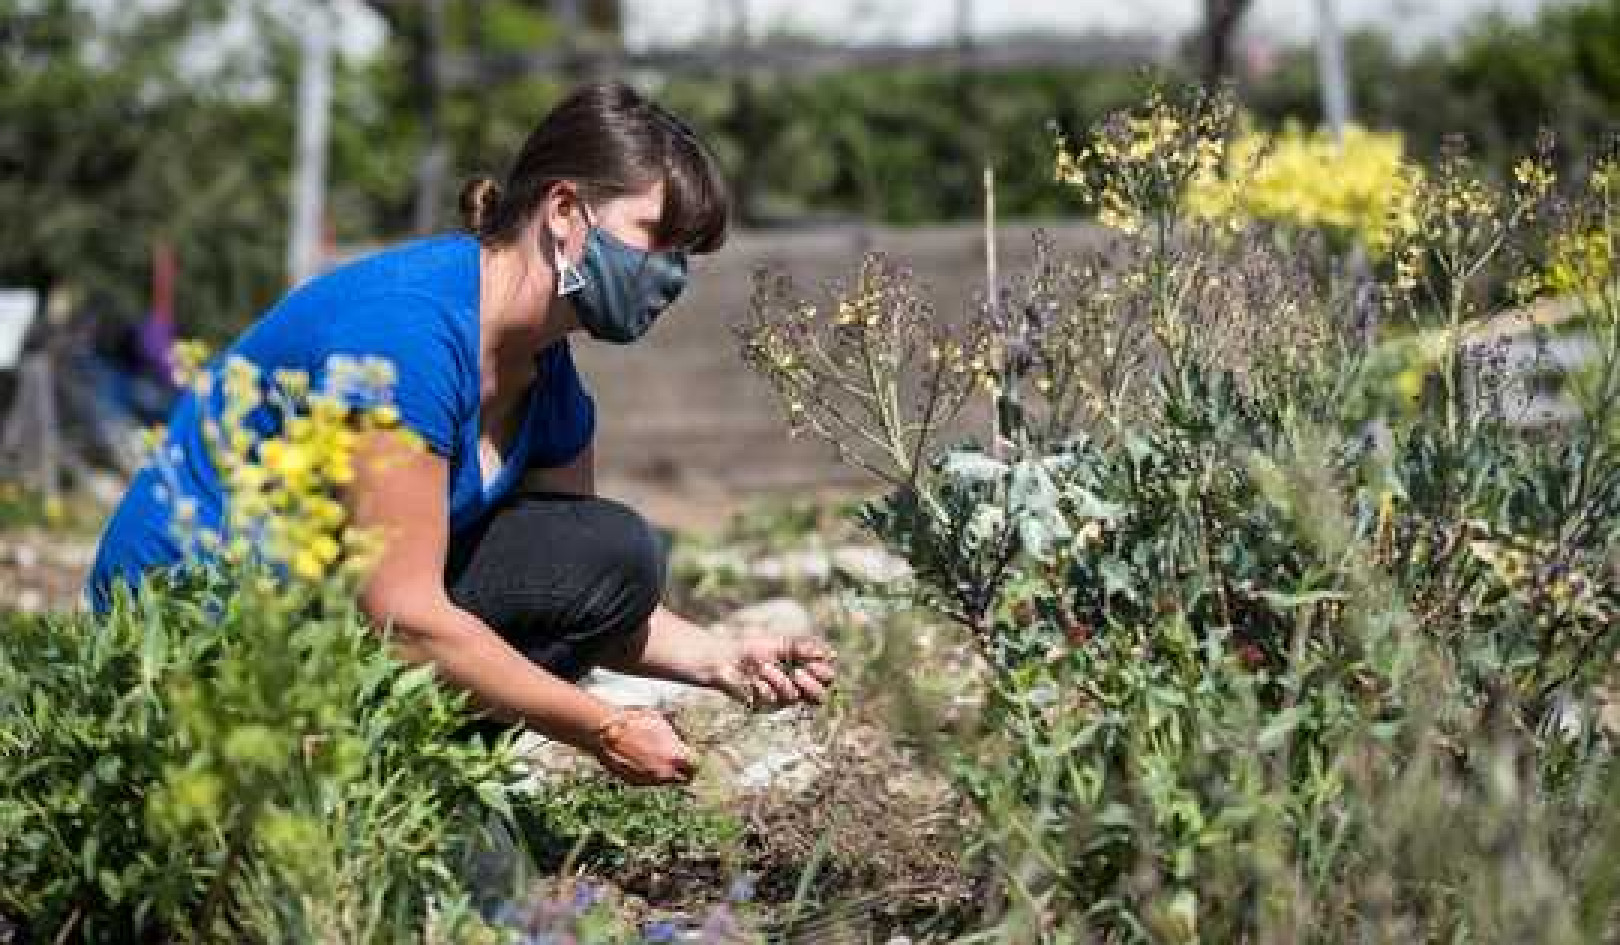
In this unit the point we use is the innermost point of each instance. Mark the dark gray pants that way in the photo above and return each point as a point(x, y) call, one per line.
point(562, 578)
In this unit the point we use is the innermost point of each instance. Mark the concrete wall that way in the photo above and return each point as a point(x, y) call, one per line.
point(685, 428)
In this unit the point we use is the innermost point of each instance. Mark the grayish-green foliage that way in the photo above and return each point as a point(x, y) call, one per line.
point(1273, 651)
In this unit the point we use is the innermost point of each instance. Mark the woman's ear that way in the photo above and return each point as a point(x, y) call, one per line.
point(562, 215)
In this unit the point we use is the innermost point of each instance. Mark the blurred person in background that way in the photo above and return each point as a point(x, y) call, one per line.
point(500, 566)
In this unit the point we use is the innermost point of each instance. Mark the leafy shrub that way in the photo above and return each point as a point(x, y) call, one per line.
point(595, 822)
point(1275, 651)
point(231, 753)
point(176, 769)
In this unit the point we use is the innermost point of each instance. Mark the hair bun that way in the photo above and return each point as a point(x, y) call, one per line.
point(479, 197)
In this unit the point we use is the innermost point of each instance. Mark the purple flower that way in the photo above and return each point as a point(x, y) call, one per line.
point(586, 895)
point(720, 924)
point(741, 889)
point(660, 931)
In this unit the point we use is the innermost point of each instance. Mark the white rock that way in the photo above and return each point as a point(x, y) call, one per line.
point(26, 556)
point(872, 565)
point(105, 488)
point(780, 615)
point(30, 601)
point(76, 555)
point(864, 610)
point(790, 768)
point(813, 567)
point(622, 689)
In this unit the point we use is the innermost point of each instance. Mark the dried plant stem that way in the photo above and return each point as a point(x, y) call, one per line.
point(992, 301)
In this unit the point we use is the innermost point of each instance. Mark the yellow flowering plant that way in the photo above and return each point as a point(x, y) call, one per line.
point(1356, 187)
point(1175, 285)
point(232, 753)
point(284, 452)
point(1135, 170)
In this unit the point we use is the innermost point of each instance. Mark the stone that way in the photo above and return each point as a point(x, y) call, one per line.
point(791, 769)
point(623, 689)
point(869, 610)
point(779, 615)
point(76, 554)
point(870, 565)
point(804, 566)
point(30, 601)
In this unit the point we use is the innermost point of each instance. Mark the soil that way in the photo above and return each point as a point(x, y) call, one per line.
point(42, 571)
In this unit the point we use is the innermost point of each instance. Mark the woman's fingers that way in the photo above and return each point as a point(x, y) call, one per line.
point(784, 692)
point(823, 671)
point(641, 747)
point(780, 672)
point(809, 686)
point(811, 650)
point(816, 657)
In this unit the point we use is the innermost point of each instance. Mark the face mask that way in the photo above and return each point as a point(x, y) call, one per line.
point(618, 290)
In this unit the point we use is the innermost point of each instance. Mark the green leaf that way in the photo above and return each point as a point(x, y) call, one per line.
point(1276, 732)
point(1117, 816)
point(495, 796)
point(1117, 576)
point(1281, 600)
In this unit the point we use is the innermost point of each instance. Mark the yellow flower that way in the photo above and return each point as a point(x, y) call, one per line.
point(281, 490)
point(1581, 264)
point(1410, 383)
point(308, 565)
point(289, 461)
point(1361, 186)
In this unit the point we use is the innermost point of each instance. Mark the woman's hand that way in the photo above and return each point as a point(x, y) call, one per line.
point(770, 672)
point(640, 747)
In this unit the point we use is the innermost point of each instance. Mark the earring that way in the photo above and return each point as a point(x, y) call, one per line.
point(569, 278)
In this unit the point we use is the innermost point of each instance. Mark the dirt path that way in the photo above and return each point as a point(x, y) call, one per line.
point(40, 570)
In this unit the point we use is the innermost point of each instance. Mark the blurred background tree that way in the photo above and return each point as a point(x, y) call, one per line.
point(120, 133)
point(1217, 38)
point(450, 129)
point(1500, 86)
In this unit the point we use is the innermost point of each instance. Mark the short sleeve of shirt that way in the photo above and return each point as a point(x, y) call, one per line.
point(564, 419)
point(432, 363)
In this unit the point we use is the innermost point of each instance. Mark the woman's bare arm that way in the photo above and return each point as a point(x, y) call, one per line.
point(761, 669)
point(764, 671)
point(399, 493)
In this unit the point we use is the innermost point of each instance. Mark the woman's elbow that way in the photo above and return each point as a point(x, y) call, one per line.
point(411, 616)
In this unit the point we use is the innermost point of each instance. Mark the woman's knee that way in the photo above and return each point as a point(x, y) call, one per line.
point(574, 569)
point(626, 555)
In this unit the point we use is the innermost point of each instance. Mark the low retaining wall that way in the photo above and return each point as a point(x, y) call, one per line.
point(683, 421)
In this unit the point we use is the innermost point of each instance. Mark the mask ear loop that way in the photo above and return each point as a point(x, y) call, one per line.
point(569, 277)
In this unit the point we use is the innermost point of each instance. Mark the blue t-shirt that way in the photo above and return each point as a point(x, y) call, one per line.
point(415, 305)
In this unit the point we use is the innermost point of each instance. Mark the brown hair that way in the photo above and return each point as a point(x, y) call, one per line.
point(610, 140)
